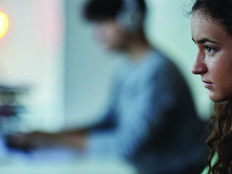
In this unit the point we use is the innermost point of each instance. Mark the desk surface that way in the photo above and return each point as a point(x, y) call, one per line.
point(63, 163)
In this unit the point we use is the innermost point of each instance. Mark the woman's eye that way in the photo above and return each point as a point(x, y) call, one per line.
point(210, 50)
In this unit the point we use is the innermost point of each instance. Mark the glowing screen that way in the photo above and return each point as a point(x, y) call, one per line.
point(4, 23)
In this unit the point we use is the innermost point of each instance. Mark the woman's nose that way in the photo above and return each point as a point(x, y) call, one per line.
point(199, 66)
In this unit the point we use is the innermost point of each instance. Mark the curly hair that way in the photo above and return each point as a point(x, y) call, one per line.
point(220, 139)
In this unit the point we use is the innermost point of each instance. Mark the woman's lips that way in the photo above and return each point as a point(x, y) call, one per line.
point(207, 84)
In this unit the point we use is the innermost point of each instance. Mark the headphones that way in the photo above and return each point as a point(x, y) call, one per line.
point(130, 16)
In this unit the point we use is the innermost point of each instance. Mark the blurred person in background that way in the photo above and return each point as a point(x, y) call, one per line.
point(151, 121)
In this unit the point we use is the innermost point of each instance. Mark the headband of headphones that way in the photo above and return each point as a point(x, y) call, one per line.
point(130, 17)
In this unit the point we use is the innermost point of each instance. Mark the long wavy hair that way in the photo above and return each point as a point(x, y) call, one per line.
point(220, 139)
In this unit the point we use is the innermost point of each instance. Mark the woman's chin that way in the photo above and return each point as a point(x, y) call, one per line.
point(216, 98)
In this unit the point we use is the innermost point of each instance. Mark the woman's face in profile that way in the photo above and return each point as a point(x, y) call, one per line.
point(214, 57)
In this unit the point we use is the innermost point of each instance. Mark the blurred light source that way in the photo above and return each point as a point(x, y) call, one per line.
point(4, 23)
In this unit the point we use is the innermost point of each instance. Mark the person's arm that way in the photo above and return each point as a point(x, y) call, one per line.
point(36, 139)
point(74, 137)
point(145, 114)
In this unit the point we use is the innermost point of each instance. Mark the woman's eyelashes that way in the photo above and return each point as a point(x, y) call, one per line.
point(210, 50)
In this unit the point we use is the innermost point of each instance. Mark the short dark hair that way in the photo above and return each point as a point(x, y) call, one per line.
point(221, 10)
point(95, 10)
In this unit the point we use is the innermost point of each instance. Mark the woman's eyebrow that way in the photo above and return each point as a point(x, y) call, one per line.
point(202, 41)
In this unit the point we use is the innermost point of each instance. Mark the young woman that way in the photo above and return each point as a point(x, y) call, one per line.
point(211, 28)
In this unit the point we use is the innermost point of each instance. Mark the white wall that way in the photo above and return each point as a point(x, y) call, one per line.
point(88, 69)
point(31, 56)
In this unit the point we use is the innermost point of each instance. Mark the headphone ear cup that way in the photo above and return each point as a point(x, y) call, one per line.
point(130, 17)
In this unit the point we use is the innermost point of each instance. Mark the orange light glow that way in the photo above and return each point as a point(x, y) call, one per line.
point(4, 24)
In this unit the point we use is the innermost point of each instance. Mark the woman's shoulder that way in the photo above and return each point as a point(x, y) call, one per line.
point(206, 170)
